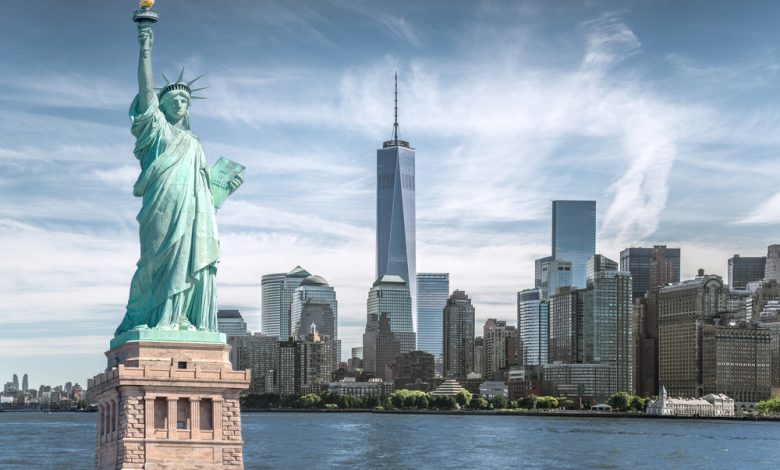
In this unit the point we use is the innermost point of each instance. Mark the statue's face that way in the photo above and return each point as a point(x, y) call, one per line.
point(174, 106)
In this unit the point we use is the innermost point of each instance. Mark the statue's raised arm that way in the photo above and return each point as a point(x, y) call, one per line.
point(145, 80)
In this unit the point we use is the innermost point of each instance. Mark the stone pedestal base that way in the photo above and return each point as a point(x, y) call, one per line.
point(168, 405)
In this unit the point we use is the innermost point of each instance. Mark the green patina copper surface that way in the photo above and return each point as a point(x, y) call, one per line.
point(169, 336)
point(173, 294)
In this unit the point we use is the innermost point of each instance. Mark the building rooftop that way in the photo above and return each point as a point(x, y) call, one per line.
point(314, 280)
point(298, 272)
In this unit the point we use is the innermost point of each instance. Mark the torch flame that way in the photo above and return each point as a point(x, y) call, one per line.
point(146, 4)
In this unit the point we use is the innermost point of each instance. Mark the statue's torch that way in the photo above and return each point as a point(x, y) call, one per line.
point(145, 16)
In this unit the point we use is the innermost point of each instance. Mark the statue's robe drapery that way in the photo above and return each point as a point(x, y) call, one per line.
point(174, 285)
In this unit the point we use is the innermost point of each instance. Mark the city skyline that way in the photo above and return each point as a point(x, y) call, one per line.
point(611, 110)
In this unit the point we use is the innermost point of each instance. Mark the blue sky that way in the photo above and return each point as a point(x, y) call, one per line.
point(665, 113)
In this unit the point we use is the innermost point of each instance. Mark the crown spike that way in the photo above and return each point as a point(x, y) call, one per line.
point(198, 89)
point(181, 76)
point(165, 78)
point(198, 98)
point(194, 80)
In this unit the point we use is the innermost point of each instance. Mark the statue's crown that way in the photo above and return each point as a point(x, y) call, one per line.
point(180, 85)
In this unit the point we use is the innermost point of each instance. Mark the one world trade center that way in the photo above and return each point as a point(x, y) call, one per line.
point(395, 217)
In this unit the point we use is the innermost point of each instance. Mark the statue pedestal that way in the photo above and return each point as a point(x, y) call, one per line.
point(169, 405)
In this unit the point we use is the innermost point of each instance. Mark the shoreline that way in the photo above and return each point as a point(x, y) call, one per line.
point(548, 414)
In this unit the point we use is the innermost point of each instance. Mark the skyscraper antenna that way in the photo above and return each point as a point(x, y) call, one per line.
point(395, 123)
point(395, 141)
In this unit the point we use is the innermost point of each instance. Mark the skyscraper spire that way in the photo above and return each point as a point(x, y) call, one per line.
point(395, 123)
point(395, 141)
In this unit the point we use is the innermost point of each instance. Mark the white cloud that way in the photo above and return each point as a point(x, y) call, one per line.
point(767, 213)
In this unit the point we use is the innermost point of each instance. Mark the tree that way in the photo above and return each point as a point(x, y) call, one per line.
point(530, 401)
point(546, 403)
point(768, 406)
point(638, 403)
point(499, 402)
point(311, 400)
point(463, 397)
point(620, 401)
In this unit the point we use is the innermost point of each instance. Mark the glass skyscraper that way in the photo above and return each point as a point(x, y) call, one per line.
point(639, 261)
point(607, 328)
point(390, 295)
point(314, 302)
point(395, 210)
point(277, 293)
point(555, 274)
point(533, 322)
point(574, 235)
point(432, 292)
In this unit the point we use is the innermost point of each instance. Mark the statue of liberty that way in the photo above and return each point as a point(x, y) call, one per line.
point(174, 286)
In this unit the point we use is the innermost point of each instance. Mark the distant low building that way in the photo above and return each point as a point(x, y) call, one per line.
point(449, 388)
point(493, 388)
point(372, 388)
point(707, 406)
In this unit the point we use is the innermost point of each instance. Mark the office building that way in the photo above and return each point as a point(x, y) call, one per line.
point(231, 323)
point(277, 294)
point(458, 336)
point(598, 264)
point(772, 270)
point(432, 292)
point(390, 295)
point(25, 383)
point(388, 348)
point(499, 349)
point(566, 315)
point(415, 371)
point(682, 310)
point(479, 357)
point(607, 321)
point(574, 235)
point(315, 291)
point(745, 269)
point(538, 270)
point(663, 270)
point(555, 275)
point(317, 359)
point(736, 360)
point(533, 327)
point(257, 352)
point(584, 383)
point(638, 262)
point(395, 210)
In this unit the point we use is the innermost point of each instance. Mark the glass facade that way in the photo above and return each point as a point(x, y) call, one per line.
point(607, 326)
point(745, 269)
point(566, 310)
point(313, 291)
point(432, 292)
point(638, 261)
point(276, 292)
point(395, 214)
point(231, 323)
point(390, 295)
point(533, 323)
point(555, 274)
point(574, 235)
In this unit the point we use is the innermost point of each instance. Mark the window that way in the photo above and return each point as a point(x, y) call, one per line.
point(182, 364)
point(206, 414)
point(160, 413)
point(183, 413)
